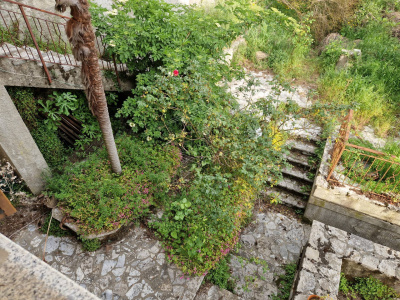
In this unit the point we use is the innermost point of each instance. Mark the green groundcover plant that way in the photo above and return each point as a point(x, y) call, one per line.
point(100, 200)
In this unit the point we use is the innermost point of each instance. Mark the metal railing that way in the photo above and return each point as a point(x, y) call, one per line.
point(364, 169)
point(41, 38)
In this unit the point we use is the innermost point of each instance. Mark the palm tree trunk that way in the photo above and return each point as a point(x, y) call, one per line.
point(81, 36)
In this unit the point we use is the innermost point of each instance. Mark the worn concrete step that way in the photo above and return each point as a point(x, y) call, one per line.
point(288, 198)
point(302, 146)
point(213, 292)
point(295, 186)
point(297, 173)
point(298, 159)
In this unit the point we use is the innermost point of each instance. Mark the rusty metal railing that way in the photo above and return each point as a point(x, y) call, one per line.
point(362, 168)
point(41, 38)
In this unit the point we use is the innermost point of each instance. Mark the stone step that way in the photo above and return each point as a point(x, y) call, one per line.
point(289, 199)
point(297, 173)
point(298, 159)
point(303, 146)
point(215, 293)
point(295, 186)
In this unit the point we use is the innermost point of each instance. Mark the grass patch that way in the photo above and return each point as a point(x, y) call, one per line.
point(54, 229)
point(368, 288)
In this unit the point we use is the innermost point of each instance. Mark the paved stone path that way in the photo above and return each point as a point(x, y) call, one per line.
point(272, 238)
point(135, 267)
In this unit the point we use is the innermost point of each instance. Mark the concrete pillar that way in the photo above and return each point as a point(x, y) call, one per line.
point(18, 146)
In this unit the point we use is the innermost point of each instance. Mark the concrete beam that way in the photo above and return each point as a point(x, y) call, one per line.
point(18, 146)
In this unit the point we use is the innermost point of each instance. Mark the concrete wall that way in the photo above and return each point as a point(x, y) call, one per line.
point(18, 146)
point(24, 276)
point(345, 209)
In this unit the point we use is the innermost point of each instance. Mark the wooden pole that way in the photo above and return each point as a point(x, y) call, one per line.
point(6, 205)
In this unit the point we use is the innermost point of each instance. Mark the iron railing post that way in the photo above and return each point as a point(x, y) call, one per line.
point(34, 41)
point(340, 143)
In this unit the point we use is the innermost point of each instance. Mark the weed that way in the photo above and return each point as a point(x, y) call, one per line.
point(90, 244)
point(55, 229)
point(285, 282)
point(368, 288)
point(220, 275)
point(25, 102)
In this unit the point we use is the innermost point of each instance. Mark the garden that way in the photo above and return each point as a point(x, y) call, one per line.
point(186, 146)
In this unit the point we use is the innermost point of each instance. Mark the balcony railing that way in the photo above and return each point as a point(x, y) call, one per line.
point(41, 37)
point(363, 169)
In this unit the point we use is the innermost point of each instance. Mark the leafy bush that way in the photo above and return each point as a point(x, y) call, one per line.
point(221, 274)
point(163, 34)
point(90, 245)
point(50, 145)
point(25, 102)
point(203, 224)
point(100, 200)
point(68, 103)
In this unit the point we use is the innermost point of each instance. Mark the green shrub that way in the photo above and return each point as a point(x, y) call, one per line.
point(68, 103)
point(202, 225)
point(90, 244)
point(50, 145)
point(100, 200)
point(221, 274)
point(25, 102)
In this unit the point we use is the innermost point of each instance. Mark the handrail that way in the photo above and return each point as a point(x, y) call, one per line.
point(35, 8)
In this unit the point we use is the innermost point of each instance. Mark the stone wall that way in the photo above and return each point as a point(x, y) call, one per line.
point(331, 251)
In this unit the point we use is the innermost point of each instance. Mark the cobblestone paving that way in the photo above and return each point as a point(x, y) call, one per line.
point(133, 268)
point(272, 240)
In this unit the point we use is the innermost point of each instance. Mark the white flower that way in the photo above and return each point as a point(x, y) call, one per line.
point(149, 138)
point(217, 24)
point(113, 12)
point(132, 124)
point(111, 43)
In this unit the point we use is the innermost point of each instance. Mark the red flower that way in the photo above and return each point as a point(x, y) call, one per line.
point(176, 72)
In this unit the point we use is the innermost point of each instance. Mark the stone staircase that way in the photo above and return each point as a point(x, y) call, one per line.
point(297, 182)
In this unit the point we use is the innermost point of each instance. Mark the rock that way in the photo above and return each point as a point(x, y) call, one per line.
point(345, 59)
point(261, 55)
point(337, 38)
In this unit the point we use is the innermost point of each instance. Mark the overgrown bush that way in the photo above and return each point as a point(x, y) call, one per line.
point(100, 200)
point(26, 104)
point(50, 145)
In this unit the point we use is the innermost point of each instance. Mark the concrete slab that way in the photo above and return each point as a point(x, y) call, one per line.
point(18, 146)
point(24, 276)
